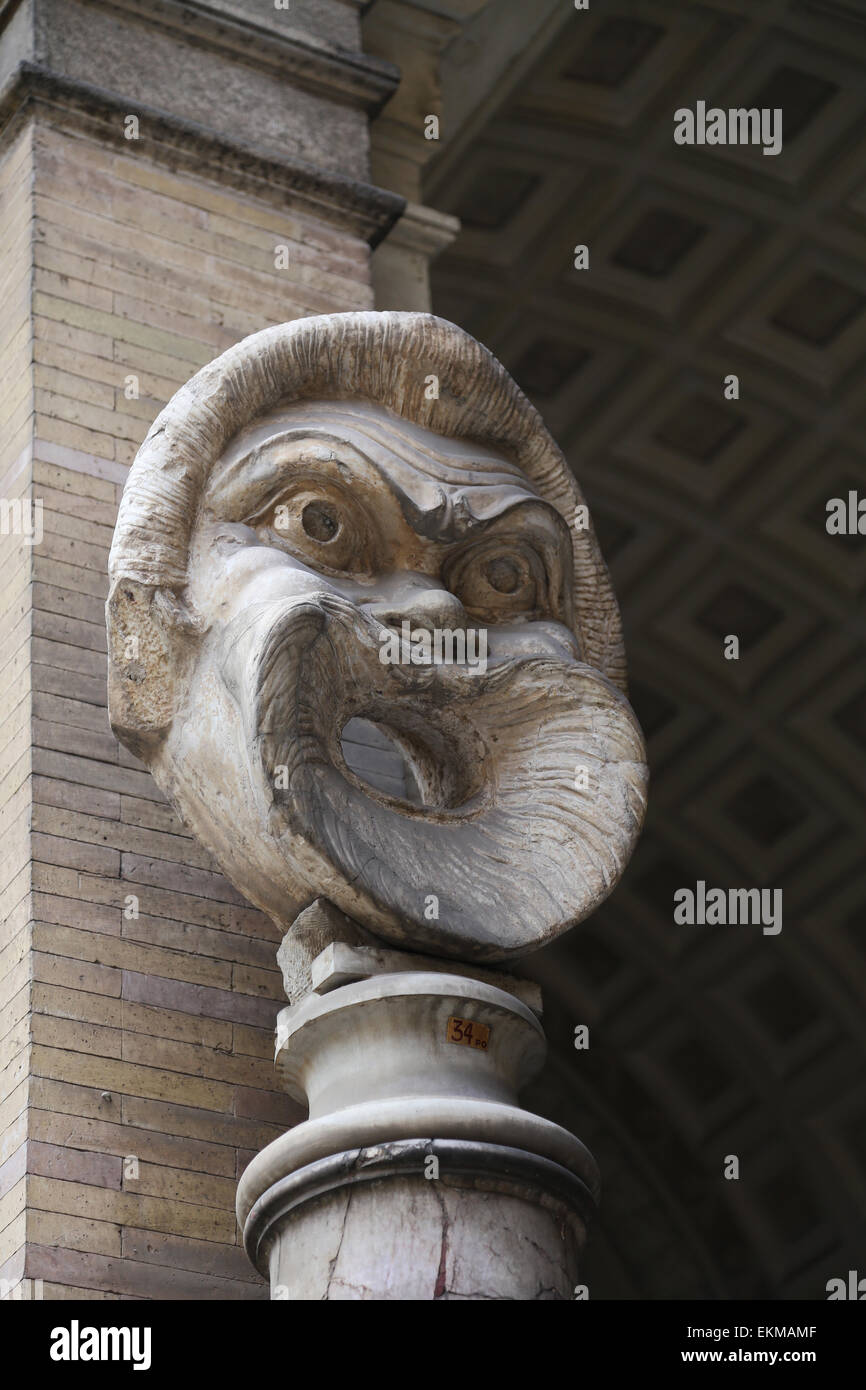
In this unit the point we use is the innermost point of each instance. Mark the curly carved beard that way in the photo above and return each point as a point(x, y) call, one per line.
point(507, 841)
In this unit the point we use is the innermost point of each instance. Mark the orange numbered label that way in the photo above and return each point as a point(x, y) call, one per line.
point(463, 1030)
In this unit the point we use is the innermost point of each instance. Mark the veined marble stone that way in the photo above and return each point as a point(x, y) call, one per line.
point(306, 512)
point(359, 523)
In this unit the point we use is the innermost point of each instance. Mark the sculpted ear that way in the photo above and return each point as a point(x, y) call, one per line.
point(145, 626)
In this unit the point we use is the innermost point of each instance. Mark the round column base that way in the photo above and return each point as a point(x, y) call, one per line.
point(422, 1219)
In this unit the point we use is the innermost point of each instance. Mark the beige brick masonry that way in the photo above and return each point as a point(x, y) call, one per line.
point(138, 990)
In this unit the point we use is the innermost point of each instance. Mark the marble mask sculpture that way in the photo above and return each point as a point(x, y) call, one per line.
point(302, 497)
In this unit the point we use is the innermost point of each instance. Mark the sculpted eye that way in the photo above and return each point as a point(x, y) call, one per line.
point(320, 521)
point(502, 574)
point(319, 524)
point(498, 580)
point(303, 518)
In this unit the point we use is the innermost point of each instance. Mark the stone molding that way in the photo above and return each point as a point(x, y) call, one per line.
point(306, 61)
point(492, 1167)
point(424, 231)
point(360, 208)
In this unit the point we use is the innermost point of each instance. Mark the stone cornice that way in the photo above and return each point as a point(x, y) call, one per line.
point(424, 230)
point(350, 77)
point(309, 62)
point(363, 209)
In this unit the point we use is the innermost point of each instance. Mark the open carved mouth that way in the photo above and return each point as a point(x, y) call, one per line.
point(379, 760)
point(500, 826)
point(410, 765)
point(314, 684)
point(444, 759)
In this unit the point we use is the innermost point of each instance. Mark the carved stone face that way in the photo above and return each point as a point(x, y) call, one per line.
point(322, 528)
point(296, 503)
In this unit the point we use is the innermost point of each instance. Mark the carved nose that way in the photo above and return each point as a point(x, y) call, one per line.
point(423, 607)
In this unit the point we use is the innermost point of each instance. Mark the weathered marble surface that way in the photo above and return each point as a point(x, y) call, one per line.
point(300, 498)
point(298, 501)
point(450, 1240)
point(353, 1204)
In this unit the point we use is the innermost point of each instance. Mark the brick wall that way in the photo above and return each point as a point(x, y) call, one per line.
point(151, 1081)
point(16, 407)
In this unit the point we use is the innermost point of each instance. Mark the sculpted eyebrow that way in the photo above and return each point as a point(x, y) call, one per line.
point(246, 483)
point(539, 524)
point(546, 525)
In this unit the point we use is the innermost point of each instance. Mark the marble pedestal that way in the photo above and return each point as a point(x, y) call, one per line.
point(417, 1174)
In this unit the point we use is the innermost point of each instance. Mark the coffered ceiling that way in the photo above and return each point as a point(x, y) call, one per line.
point(704, 262)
